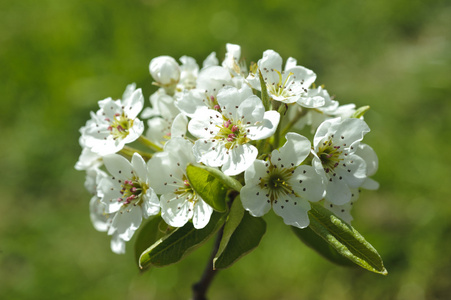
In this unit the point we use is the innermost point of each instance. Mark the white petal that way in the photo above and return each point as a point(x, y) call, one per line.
point(151, 204)
point(307, 183)
point(117, 244)
point(97, 214)
point(179, 126)
point(134, 132)
point(110, 193)
point(370, 157)
point(230, 98)
point(251, 110)
point(118, 166)
point(338, 192)
point(164, 104)
point(139, 167)
point(175, 212)
point(189, 72)
point(129, 89)
point(93, 176)
point(293, 152)
point(211, 60)
point(239, 159)
point(127, 221)
point(87, 160)
point(353, 170)
point(163, 171)
point(290, 63)
point(234, 51)
point(293, 210)
point(350, 131)
point(109, 108)
point(213, 78)
point(341, 211)
point(370, 184)
point(271, 60)
point(190, 101)
point(157, 130)
point(181, 152)
point(202, 214)
point(212, 154)
point(133, 104)
point(164, 69)
point(105, 146)
point(311, 102)
point(324, 130)
point(254, 172)
point(264, 129)
point(255, 200)
point(205, 124)
point(302, 74)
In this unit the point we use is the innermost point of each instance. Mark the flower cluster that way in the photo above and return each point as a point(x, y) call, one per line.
point(268, 126)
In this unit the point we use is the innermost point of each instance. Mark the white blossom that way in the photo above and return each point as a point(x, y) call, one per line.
point(210, 81)
point(165, 70)
point(114, 124)
point(231, 60)
point(179, 202)
point(224, 134)
point(331, 109)
point(214, 116)
point(100, 219)
point(211, 60)
point(163, 105)
point(289, 85)
point(370, 158)
point(161, 130)
point(335, 158)
point(127, 194)
point(344, 211)
point(283, 184)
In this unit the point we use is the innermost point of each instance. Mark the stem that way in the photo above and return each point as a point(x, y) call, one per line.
point(149, 144)
point(294, 120)
point(200, 288)
point(129, 151)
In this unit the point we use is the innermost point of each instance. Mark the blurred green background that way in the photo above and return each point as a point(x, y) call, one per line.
point(58, 58)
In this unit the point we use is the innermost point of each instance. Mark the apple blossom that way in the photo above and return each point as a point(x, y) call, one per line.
point(127, 194)
point(335, 158)
point(283, 184)
point(224, 134)
point(179, 202)
point(114, 124)
point(289, 85)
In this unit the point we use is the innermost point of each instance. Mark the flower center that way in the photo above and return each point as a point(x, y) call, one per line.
point(186, 191)
point(232, 133)
point(329, 155)
point(212, 102)
point(132, 191)
point(281, 88)
point(276, 182)
point(119, 127)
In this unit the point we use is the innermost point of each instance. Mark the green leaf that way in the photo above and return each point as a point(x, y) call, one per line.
point(314, 241)
point(228, 181)
point(265, 95)
point(345, 239)
point(242, 234)
point(182, 241)
point(212, 190)
point(148, 235)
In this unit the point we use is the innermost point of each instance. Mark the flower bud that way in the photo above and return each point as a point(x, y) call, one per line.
point(165, 70)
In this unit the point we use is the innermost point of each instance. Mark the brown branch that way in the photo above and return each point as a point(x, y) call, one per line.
point(200, 288)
